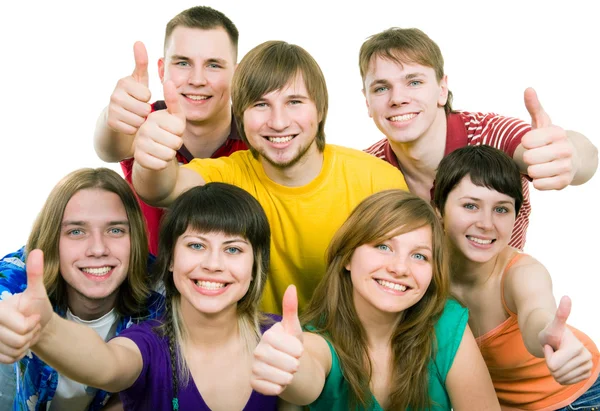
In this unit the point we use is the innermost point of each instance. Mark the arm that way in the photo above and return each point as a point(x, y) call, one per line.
point(128, 108)
point(551, 156)
point(528, 292)
point(156, 176)
point(86, 358)
point(468, 382)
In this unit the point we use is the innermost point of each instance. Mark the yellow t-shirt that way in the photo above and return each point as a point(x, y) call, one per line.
point(303, 219)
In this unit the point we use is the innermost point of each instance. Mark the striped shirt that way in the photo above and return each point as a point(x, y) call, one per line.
point(469, 129)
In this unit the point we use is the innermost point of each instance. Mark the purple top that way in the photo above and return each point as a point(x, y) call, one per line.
point(153, 391)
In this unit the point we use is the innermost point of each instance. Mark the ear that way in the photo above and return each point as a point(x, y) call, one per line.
point(171, 266)
point(443, 98)
point(161, 69)
point(367, 103)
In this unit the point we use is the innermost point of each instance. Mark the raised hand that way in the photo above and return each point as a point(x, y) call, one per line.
point(161, 135)
point(567, 358)
point(129, 107)
point(277, 356)
point(23, 316)
point(549, 154)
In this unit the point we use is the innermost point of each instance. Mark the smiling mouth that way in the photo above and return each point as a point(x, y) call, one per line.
point(392, 286)
point(403, 117)
point(97, 271)
point(480, 240)
point(280, 140)
point(195, 97)
point(210, 285)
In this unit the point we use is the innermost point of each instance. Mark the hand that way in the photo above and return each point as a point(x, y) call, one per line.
point(159, 138)
point(549, 154)
point(23, 316)
point(277, 356)
point(129, 107)
point(567, 358)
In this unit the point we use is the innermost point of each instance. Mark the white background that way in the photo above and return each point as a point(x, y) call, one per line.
point(60, 61)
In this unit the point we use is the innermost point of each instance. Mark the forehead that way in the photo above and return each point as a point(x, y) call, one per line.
point(466, 188)
point(95, 205)
point(295, 86)
point(386, 68)
point(199, 43)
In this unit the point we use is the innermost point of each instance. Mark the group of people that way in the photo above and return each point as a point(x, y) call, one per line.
point(244, 263)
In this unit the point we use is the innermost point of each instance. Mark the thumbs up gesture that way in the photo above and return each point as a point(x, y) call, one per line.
point(567, 358)
point(277, 356)
point(549, 154)
point(23, 316)
point(129, 107)
point(161, 135)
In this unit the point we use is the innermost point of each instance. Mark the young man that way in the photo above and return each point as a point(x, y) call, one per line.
point(200, 56)
point(408, 98)
point(306, 187)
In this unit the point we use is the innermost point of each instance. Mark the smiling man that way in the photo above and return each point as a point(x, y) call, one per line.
point(306, 187)
point(200, 56)
point(408, 98)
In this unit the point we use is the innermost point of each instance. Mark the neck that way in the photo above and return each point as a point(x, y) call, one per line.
point(379, 326)
point(305, 170)
point(419, 159)
point(467, 273)
point(89, 309)
point(209, 330)
point(203, 138)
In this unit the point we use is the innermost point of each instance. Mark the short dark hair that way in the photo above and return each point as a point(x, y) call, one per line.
point(204, 18)
point(486, 166)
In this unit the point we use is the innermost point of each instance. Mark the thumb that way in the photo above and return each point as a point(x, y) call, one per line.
point(290, 321)
point(172, 99)
point(35, 274)
point(140, 73)
point(555, 330)
point(539, 117)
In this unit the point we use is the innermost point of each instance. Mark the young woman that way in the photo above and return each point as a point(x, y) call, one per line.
point(536, 361)
point(91, 231)
point(382, 333)
point(213, 257)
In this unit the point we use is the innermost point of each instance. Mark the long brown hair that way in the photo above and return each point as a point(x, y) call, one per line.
point(46, 230)
point(332, 312)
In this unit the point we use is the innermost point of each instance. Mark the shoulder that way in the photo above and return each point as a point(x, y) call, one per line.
point(451, 324)
point(377, 149)
point(13, 277)
point(369, 163)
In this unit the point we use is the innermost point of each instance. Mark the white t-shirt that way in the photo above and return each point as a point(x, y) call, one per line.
point(71, 395)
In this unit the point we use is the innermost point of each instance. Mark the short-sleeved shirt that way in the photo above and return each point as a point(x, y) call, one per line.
point(470, 129)
point(449, 332)
point(152, 215)
point(303, 219)
point(153, 388)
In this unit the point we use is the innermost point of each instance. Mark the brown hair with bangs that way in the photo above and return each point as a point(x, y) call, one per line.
point(404, 46)
point(271, 66)
point(332, 313)
point(45, 235)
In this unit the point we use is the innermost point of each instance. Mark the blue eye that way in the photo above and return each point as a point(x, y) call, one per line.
point(75, 232)
point(421, 257)
point(182, 63)
point(470, 206)
point(233, 250)
point(196, 246)
point(380, 89)
point(501, 210)
point(116, 231)
point(383, 247)
point(415, 83)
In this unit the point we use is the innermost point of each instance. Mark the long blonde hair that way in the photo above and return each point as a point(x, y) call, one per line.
point(332, 312)
point(45, 235)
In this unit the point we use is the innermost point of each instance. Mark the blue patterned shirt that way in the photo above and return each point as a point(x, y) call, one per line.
point(37, 381)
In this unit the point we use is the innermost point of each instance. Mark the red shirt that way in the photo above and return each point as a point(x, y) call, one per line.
point(153, 215)
point(469, 129)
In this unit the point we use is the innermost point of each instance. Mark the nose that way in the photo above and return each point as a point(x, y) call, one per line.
point(397, 265)
point(279, 118)
point(399, 96)
point(197, 77)
point(485, 220)
point(212, 261)
point(97, 246)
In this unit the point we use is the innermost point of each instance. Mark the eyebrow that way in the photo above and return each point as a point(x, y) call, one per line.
point(233, 240)
point(85, 223)
point(479, 199)
point(385, 82)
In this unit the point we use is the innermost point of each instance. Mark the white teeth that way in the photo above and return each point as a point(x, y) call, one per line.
point(97, 271)
point(403, 117)
point(280, 139)
point(393, 286)
point(196, 98)
point(210, 285)
point(479, 240)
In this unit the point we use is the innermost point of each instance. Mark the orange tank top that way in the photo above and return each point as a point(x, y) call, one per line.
point(521, 380)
